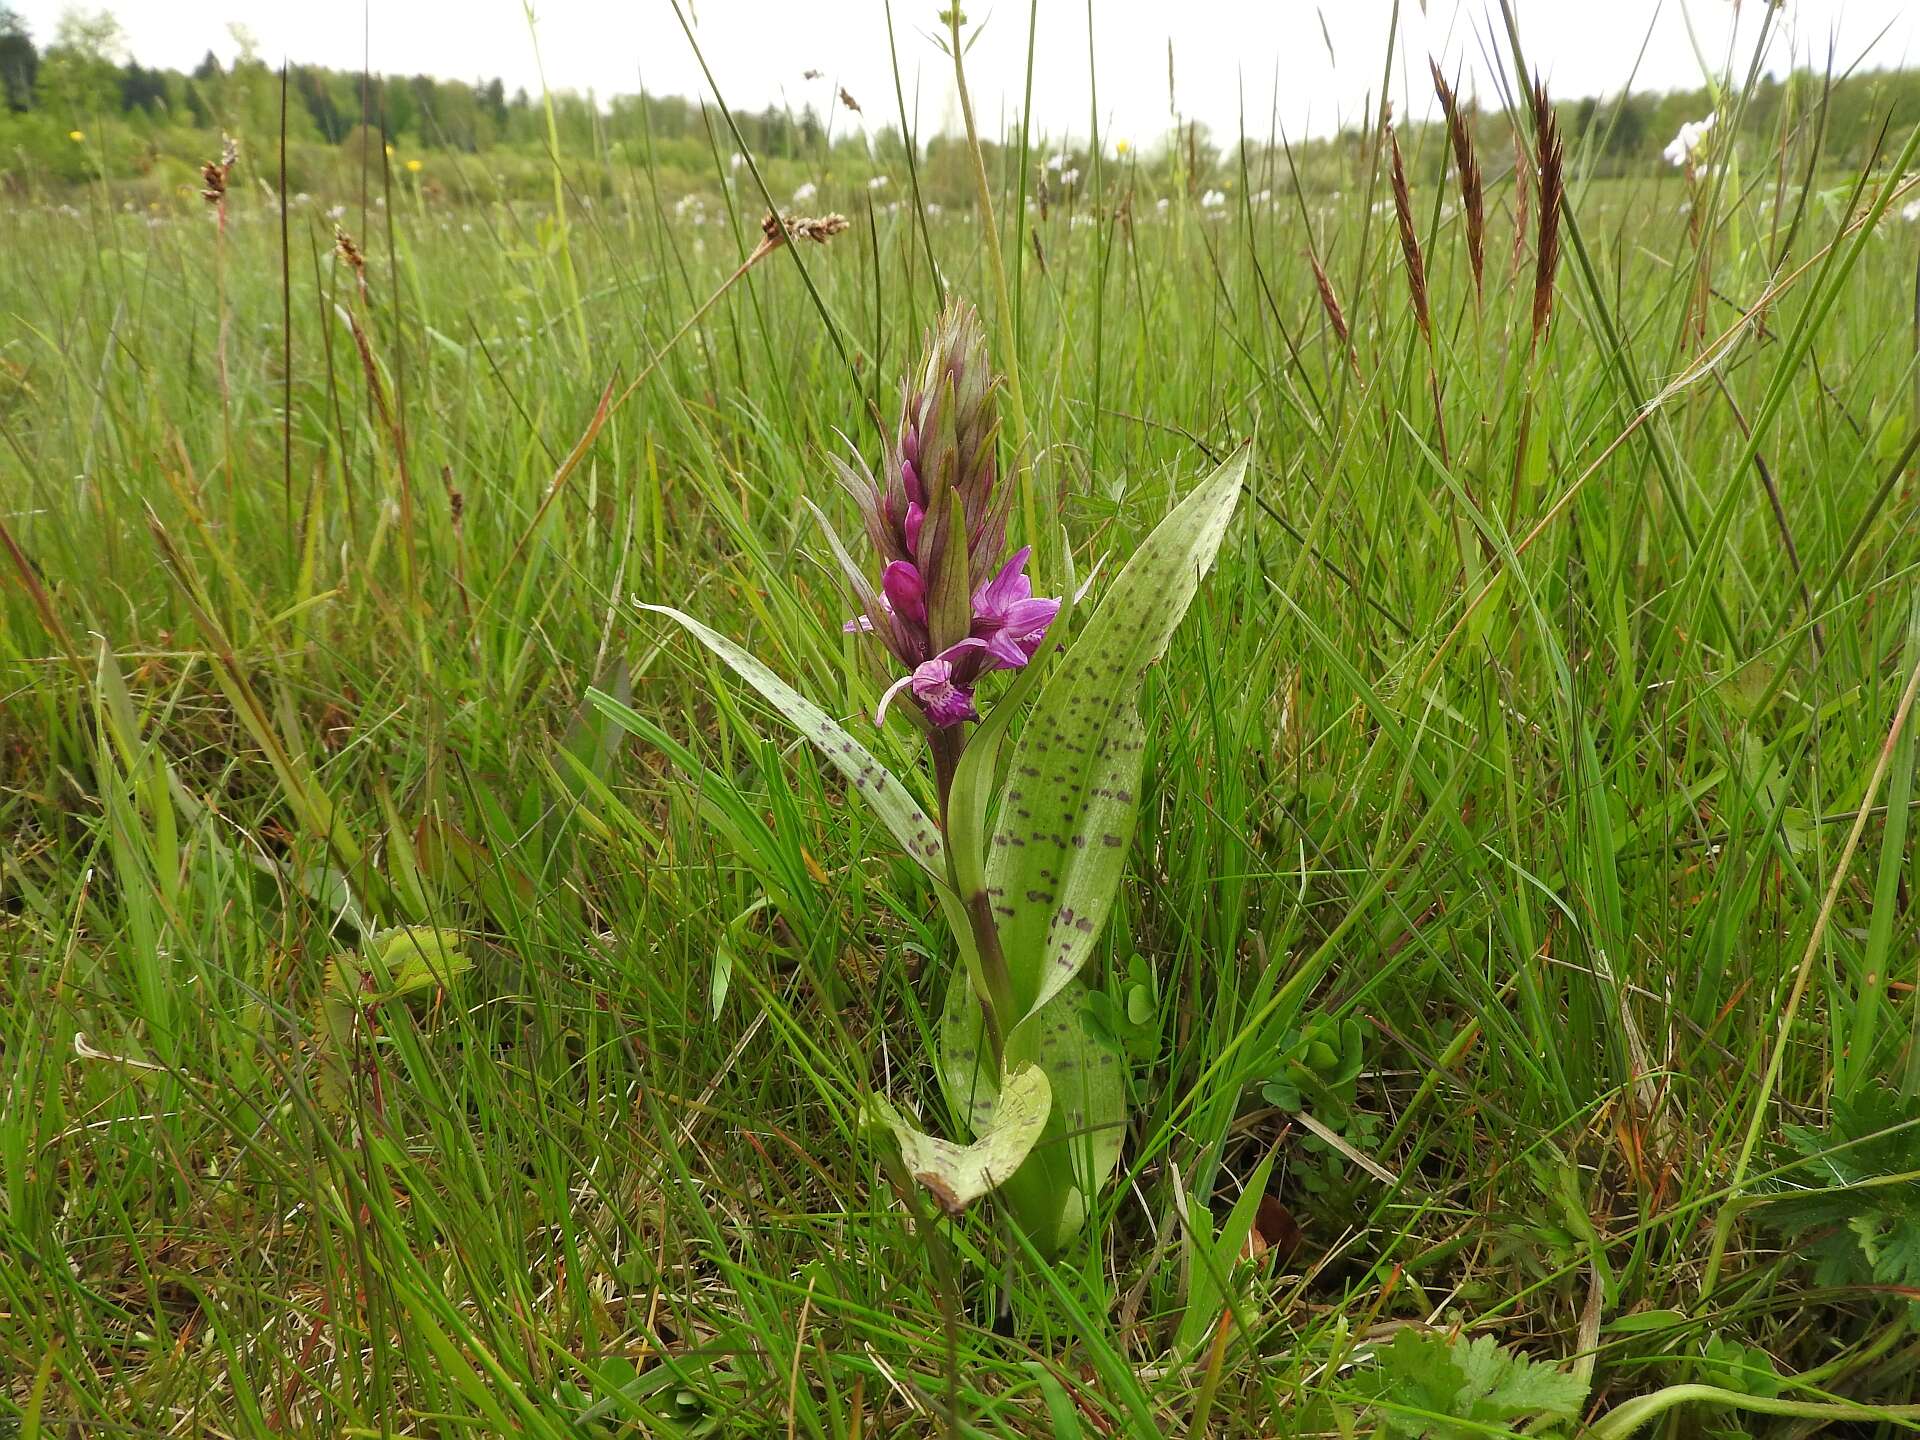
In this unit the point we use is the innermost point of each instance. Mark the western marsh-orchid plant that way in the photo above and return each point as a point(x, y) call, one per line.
point(1026, 856)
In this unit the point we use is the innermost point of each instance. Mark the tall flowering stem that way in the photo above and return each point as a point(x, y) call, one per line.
point(947, 604)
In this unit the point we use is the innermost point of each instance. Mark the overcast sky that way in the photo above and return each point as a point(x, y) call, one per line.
point(1229, 56)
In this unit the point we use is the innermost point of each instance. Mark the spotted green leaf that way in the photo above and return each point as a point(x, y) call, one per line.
point(1067, 815)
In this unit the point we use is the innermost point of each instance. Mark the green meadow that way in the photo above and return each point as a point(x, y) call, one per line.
point(1514, 970)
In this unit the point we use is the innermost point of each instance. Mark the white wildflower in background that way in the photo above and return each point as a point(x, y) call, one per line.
point(1161, 204)
point(1059, 162)
point(736, 160)
point(1910, 211)
point(1213, 200)
point(879, 182)
point(933, 207)
point(1262, 197)
point(1691, 140)
point(1070, 177)
point(805, 193)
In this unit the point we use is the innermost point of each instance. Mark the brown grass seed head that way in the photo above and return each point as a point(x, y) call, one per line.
point(1409, 239)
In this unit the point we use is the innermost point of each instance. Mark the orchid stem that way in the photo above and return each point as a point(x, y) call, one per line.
point(947, 745)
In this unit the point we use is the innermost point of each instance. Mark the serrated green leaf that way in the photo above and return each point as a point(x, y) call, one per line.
point(957, 1175)
point(1861, 1222)
point(1067, 817)
point(1450, 1390)
point(890, 800)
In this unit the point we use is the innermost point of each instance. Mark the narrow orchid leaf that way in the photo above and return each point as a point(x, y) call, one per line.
point(863, 591)
point(1211, 1258)
point(957, 1175)
point(1067, 816)
point(889, 798)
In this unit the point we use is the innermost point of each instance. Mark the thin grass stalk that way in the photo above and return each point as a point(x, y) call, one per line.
point(1009, 338)
point(1521, 205)
point(214, 176)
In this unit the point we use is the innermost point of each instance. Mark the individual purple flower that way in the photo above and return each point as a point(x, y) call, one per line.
point(1007, 617)
point(933, 683)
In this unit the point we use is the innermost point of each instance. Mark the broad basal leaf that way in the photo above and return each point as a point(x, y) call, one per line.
point(407, 959)
point(958, 1175)
point(394, 964)
point(1082, 1143)
point(888, 797)
point(1068, 813)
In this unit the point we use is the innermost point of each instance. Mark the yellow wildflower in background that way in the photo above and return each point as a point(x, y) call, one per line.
point(414, 166)
point(1121, 147)
point(76, 135)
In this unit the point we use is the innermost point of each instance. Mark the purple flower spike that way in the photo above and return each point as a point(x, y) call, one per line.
point(937, 519)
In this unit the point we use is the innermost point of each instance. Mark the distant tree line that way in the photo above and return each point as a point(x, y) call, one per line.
point(61, 102)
